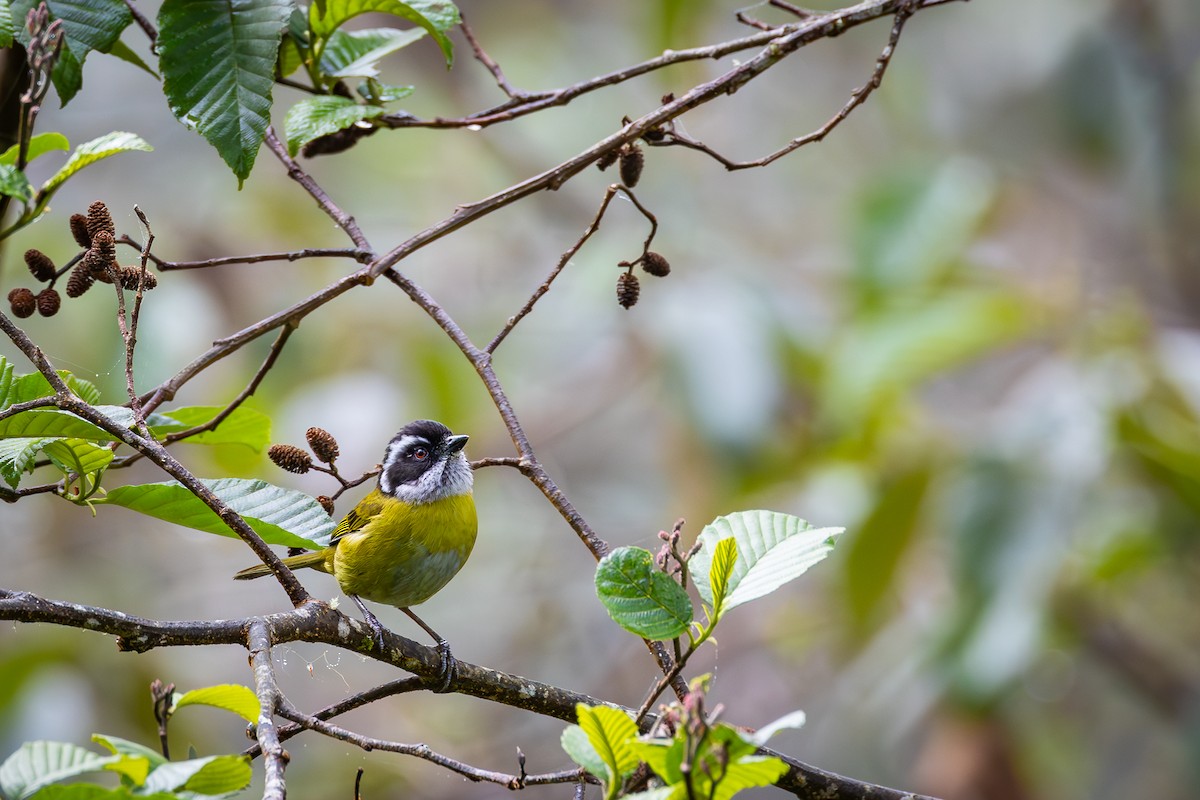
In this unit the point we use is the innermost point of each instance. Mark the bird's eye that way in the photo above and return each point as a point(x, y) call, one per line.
point(420, 454)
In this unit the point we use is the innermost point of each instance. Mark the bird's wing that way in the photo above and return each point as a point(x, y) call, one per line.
point(359, 517)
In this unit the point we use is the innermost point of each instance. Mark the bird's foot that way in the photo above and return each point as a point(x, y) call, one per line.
point(448, 666)
point(378, 632)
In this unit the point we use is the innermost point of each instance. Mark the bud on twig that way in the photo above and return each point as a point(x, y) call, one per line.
point(326, 503)
point(290, 458)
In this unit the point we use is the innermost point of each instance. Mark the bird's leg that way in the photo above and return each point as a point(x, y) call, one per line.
point(449, 665)
point(376, 626)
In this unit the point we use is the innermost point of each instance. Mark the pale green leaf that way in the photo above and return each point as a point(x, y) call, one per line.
point(220, 775)
point(39, 145)
point(792, 721)
point(89, 153)
point(218, 63)
point(17, 455)
point(43, 422)
point(577, 745)
point(6, 24)
point(676, 792)
point(320, 116)
point(13, 183)
point(245, 426)
point(78, 456)
point(38, 764)
point(375, 92)
point(639, 597)
point(356, 54)
point(772, 549)
point(610, 732)
point(747, 773)
point(123, 747)
point(92, 791)
point(663, 756)
point(724, 557)
point(280, 516)
point(435, 16)
point(229, 696)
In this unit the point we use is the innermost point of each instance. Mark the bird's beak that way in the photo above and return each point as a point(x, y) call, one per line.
point(455, 443)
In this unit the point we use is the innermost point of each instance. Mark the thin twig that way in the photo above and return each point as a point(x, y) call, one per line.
point(488, 62)
point(857, 98)
point(295, 255)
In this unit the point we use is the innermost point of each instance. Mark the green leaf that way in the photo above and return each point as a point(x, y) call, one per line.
point(17, 456)
point(39, 145)
point(772, 549)
point(42, 422)
point(38, 764)
point(610, 732)
point(677, 792)
point(319, 116)
point(239, 699)
point(122, 51)
point(663, 756)
point(747, 773)
point(6, 24)
point(87, 25)
point(280, 516)
point(792, 721)
point(89, 153)
point(580, 749)
point(435, 16)
point(640, 598)
point(245, 426)
point(123, 747)
point(378, 93)
point(21, 388)
point(78, 456)
point(356, 54)
point(218, 63)
point(13, 183)
point(724, 557)
point(92, 791)
point(219, 775)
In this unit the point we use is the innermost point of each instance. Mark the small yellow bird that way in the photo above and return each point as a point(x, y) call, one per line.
point(406, 539)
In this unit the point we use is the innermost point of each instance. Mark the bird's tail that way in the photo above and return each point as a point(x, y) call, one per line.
point(315, 559)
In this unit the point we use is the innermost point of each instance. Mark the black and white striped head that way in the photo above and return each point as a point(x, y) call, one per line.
point(425, 462)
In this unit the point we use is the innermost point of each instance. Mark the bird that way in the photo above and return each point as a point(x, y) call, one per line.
point(409, 536)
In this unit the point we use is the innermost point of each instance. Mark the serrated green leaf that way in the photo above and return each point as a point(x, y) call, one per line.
point(610, 731)
point(92, 791)
point(319, 116)
point(87, 25)
point(13, 183)
point(6, 378)
point(663, 756)
point(39, 145)
point(639, 597)
point(6, 24)
point(724, 557)
point(218, 63)
point(123, 747)
point(89, 153)
point(38, 764)
point(356, 54)
point(677, 792)
point(747, 773)
point(772, 548)
point(239, 699)
point(49, 422)
point(245, 426)
point(435, 16)
point(577, 745)
point(17, 456)
point(280, 516)
point(220, 775)
point(78, 456)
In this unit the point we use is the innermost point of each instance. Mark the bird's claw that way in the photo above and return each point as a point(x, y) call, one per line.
point(448, 666)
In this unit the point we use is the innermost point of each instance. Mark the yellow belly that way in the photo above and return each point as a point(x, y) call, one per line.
point(391, 560)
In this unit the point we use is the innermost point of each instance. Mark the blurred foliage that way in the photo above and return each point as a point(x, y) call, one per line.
point(964, 326)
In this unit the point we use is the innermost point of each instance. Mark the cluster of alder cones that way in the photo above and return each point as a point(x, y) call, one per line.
point(97, 261)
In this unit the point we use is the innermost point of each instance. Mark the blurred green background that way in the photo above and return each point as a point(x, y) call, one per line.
point(964, 327)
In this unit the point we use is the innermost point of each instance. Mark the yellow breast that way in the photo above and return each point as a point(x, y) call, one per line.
point(404, 554)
